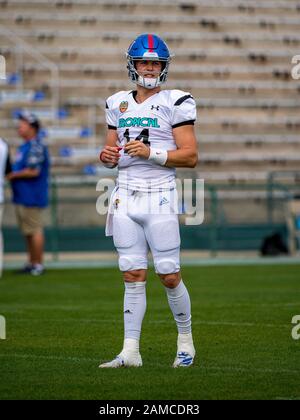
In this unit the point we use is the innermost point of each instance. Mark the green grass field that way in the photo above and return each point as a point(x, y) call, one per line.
point(60, 326)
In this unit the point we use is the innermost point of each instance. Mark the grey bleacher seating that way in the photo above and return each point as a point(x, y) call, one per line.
point(233, 55)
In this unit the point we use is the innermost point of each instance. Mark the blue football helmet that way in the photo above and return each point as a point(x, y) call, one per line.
point(148, 47)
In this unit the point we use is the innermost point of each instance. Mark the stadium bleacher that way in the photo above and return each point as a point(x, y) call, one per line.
point(234, 56)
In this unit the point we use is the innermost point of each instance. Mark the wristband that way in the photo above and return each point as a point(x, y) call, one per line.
point(158, 156)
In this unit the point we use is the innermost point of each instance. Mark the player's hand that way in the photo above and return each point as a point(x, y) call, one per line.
point(110, 154)
point(137, 148)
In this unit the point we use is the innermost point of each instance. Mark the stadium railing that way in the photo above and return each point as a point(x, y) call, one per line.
point(22, 48)
point(215, 234)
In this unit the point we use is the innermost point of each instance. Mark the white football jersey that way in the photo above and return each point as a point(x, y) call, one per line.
point(150, 122)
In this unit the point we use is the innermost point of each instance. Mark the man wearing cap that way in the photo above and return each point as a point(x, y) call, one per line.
point(30, 189)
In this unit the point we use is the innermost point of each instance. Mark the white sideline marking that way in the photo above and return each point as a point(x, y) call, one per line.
point(24, 306)
point(41, 357)
point(158, 321)
point(185, 261)
point(94, 360)
point(2, 328)
point(279, 305)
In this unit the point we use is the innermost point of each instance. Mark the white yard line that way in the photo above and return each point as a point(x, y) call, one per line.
point(158, 321)
point(185, 261)
point(204, 368)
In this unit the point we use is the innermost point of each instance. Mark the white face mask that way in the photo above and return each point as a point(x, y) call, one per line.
point(148, 83)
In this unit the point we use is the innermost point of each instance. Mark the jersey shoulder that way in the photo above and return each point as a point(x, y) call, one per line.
point(182, 106)
point(115, 100)
point(176, 97)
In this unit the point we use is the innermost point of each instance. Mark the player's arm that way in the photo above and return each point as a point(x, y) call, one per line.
point(184, 115)
point(33, 167)
point(110, 154)
point(24, 173)
point(186, 155)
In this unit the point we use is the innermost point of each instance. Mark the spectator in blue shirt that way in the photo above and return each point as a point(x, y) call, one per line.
point(29, 178)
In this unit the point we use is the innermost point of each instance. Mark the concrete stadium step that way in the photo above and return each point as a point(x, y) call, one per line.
point(248, 119)
point(144, 7)
point(221, 105)
point(171, 23)
point(179, 72)
point(124, 36)
point(63, 51)
point(20, 97)
point(236, 16)
point(204, 88)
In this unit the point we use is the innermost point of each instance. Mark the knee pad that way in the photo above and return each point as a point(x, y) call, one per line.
point(166, 266)
point(124, 232)
point(165, 235)
point(126, 263)
point(132, 262)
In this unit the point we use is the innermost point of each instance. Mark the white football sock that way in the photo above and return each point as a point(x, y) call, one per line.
point(131, 345)
point(180, 304)
point(134, 309)
point(38, 266)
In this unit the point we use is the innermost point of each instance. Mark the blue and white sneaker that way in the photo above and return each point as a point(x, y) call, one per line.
point(183, 358)
point(185, 351)
point(124, 360)
point(37, 270)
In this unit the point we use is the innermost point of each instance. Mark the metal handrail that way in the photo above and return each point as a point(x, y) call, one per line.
point(271, 182)
point(56, 183)
point(21, 47)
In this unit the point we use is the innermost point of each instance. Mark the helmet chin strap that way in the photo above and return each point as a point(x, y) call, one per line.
point(148, 82)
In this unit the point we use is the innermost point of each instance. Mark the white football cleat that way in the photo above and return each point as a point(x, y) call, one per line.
point(183, 359)
point(124, 359)
point(185, 351)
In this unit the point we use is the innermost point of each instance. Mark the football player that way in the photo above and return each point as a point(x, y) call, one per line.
point(150, 133)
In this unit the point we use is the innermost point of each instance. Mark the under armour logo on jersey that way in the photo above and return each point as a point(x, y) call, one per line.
point(155, 107)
